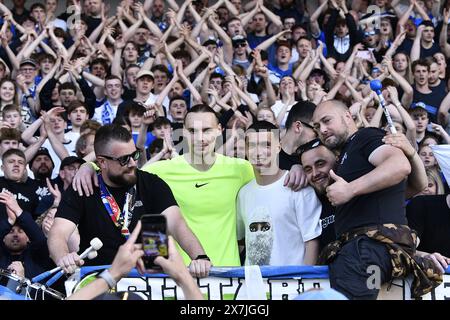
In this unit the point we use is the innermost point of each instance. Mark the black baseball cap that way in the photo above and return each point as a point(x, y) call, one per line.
point(308, 146)
point(67, 161)
point(209, 41)
point(41, 152)
point(238, 39)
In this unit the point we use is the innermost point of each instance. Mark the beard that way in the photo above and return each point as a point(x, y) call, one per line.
point(320, 188)
point(338, 139)
point(16, 246)
point(259, 248)
point(122, 179)
point(42, 173)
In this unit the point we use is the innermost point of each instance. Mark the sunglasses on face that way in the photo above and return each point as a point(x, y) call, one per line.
point(240, 45)
point(308, 146)
point(124, 160)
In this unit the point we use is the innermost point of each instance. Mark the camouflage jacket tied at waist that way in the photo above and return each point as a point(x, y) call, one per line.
point(401, 243)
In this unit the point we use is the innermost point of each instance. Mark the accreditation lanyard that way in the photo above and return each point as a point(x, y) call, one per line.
point(120, 218)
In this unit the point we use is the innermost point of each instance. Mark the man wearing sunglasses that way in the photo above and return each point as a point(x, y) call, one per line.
point(205, 184)
point(123, 195)
point(298, 132)
point(240, 52)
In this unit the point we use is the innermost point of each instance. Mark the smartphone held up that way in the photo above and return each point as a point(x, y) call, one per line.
point(154, 239)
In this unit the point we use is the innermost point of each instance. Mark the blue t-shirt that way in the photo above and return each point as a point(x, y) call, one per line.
point(149, 141)
point(281, 73)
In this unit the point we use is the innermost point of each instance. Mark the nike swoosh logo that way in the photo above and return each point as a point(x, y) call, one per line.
point(200, 185)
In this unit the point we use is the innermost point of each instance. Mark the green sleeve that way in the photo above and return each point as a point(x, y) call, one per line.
point(247, 173)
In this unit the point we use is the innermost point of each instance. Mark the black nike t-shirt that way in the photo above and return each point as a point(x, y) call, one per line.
point(430, 217)
point(153, 196)
point(380, 207)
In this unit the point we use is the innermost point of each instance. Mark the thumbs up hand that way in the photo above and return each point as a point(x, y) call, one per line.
point(338, 192)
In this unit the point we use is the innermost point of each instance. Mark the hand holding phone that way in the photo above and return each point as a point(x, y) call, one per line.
point(154, 239)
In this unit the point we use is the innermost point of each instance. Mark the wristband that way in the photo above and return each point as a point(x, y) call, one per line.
point(202, 257)
point(106, 275)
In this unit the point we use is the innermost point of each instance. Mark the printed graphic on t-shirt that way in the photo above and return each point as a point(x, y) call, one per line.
point(260, 237)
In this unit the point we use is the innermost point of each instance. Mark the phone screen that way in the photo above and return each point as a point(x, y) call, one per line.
point(154, 239)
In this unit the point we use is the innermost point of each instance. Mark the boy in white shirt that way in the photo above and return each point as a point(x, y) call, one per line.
point(280, 226)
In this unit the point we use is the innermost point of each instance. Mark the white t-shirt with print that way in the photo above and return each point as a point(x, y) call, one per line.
point(276, 222)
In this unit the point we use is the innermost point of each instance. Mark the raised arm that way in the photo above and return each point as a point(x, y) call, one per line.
point(132, 30)
point(333, 91)
point(443, 37)
point(407, 98)
point(11, 55)
point(227, 43)
point(415, 50)
point(420, 10)
point(195, 94)
point(30, 49)
point(397, 42)
point(304, 74)
point(194, 64)
point(272, 17)
point(49, 76)
point(315, 28)
point(57, 145)
point(150, 24)
point(417, 180)
point(267, 43)
point(245, 19)
point(246, 98)
point(407, 120)
point(405, 16)
point(116, 68)
point(180, 13)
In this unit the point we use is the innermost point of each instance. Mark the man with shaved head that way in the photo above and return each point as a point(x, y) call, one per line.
point(368, 193)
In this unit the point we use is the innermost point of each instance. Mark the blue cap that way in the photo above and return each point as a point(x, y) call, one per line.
point(417, 21)
point(219, 70)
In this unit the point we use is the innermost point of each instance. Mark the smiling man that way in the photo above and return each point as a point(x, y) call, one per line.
point(369, 195)
point(317, 161)
point(106, 113)
point(280, 226)
point(111, 213)
point(205, 185)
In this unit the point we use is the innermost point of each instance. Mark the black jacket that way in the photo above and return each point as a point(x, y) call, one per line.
point(355, 36)
point(36, 256)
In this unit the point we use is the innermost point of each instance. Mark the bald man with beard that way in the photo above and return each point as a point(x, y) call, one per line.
point(369, 193)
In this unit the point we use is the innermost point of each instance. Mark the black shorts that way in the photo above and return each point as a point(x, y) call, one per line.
point(360, 268)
